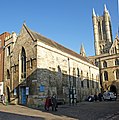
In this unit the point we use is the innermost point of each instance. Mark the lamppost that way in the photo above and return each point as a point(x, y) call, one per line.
point(90, 79)
point(70, 90)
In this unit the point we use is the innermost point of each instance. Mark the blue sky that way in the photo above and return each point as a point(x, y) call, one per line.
point(68, 22)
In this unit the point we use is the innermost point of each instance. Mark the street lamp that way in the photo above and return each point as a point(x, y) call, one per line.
point(91, 85)
point(70, 90)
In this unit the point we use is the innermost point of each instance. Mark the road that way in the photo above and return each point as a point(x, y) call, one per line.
point(108, 110)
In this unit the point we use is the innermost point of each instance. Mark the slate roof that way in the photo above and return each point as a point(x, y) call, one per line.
point(47, 41)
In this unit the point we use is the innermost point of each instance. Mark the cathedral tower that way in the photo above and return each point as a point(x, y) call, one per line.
point(102, 32)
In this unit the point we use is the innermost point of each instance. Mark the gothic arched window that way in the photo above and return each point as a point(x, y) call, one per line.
point(23, 63)
point(104, 64)
point(117, 74)
point(78, 74)
point(105, 75)
point(82, 84)
point(8, 74)
point(81, 75)
point(92, 81)
point(74, 77)
point(117, 62)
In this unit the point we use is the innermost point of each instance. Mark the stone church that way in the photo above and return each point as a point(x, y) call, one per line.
point(106, 52)
point(36, 66)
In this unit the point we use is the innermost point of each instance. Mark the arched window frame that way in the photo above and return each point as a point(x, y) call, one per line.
point(117, 74)
point(82, 83)
point(92, 81)
point(116, 61)
point(104, 64)
point(105, 75)
point(23, 63)
point(78, 73)
point(87, 80)
point(8, 74)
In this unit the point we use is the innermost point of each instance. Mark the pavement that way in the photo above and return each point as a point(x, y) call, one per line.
point(108, 110)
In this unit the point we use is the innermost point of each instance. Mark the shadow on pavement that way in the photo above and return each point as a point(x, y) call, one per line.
point(13, 116)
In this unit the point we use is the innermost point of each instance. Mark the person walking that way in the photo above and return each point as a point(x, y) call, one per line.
point(95, 97)
point(100, 96)
point(54, 103)
point(3, 99)
point(47, 103)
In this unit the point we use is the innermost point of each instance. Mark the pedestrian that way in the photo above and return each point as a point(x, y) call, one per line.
point(3, 99)
point(95, 97)
point(100, 96)
point(54, 103)
point(47, 103)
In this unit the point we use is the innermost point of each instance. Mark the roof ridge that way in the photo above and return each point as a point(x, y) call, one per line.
point(53, 43)
point(28, 30)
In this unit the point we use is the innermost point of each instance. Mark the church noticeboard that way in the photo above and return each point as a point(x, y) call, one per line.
point(42, 88)
point(27, 90)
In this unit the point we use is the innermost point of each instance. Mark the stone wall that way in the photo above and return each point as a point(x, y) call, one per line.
point(53, 63)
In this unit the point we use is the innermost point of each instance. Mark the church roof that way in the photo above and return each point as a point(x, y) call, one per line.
point(47, 41)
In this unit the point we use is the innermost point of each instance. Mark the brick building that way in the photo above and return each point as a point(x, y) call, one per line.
point(2, 38)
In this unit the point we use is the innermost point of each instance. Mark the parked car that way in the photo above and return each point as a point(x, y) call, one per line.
point(109, 96)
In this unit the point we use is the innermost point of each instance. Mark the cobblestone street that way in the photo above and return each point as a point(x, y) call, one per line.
point(83, 111)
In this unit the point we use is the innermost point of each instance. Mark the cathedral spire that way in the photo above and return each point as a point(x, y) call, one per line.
point(82, 51)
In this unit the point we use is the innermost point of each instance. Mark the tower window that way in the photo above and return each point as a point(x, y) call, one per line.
point(117, 62)
point(104, 64)
point(118, 46)
point(117, 73)
point(105, 75)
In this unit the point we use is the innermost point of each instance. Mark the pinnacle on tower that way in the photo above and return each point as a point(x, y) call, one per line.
point(94, 12)
point(105, 8)
point(82, 51)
